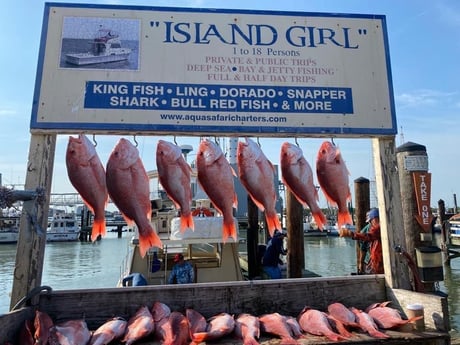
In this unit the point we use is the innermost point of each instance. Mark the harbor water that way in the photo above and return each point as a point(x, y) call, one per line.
point(80, 265)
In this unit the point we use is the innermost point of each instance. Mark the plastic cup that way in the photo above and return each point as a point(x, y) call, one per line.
point(414, 310)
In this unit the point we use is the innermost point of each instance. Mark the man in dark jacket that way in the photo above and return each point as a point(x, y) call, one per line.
point(271, 259)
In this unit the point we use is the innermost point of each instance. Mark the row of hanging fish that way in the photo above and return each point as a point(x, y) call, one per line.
point(125, 181)
point(176, 328)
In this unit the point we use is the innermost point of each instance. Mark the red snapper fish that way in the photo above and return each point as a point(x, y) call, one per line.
point(297, 176)
point(42, 325)
point(386, 317)
point(277, 324)
point(160, 313)
point(109, 331)
point(368, 324)
point(128, 186)
point(197, 322)
point(315, 322)
point(332, 176)
point(175, 330)
point(218, 327)
point(87, 175)
point(340, 312)
point(257, 174)
point(73, 332)
point(174, 176)
point(215, 176)
point(247, 327)
point(140, 325)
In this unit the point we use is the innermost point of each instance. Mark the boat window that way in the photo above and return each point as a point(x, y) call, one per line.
point(116, 45)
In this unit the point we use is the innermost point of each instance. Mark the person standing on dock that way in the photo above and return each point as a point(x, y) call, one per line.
point(182, 272)
point(375, 264)
point(271, 259)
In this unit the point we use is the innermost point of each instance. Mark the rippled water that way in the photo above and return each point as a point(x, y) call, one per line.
point(98, 265)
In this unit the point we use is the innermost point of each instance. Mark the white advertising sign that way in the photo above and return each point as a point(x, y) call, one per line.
point(200, 71)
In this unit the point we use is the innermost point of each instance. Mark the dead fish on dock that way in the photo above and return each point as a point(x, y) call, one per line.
point(297, 176)
point(386, 317)
point(218, 326)
point(174, 175)
point(42, 325)
point(72, 332)
point(276, 324)
point(343, 314)
point(368, 324)
point(247, 327)
point(128, 186)
point(197, 322)
point(175, 330)
point(87, 175)
point(315, 322)
point(257, 174)
point(140, 325)
point(160, 313)
point(215, 176)
point(109, 331)
point(332, 176)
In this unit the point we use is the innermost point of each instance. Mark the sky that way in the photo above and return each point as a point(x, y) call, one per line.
point(424, 52)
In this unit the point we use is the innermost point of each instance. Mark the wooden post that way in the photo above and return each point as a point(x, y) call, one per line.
point(252, 239)
point(294, 224)
point(362, 205)
point(412, 229)
point(30, 252)
point(391, 216)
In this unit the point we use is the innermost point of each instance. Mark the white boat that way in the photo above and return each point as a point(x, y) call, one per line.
point(212, 260)
point(454, 230)
point(106, 47)
point(63, 227)
point(9, 230)
point(308, 231)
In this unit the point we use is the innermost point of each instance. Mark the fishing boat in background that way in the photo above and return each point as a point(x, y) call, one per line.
point(454, 229)
point(106, 47)
point(9, 229)
point(62, 227)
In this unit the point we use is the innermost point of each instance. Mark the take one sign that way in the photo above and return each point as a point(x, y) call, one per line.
point(422, 186)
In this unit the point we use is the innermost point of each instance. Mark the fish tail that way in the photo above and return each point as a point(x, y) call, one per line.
point(98, 229)
point(229, 230)
point(273, 223)
point(250, 341)
point(199, 337)
point(344, 217)
point(320, 219)
point(378, 334)
point(148, 241)
point(186, 222)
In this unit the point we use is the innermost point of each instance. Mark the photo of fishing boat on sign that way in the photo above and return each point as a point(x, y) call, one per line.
point(100, 43)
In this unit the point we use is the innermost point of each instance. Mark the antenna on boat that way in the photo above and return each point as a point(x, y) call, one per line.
point(134, 138)
point(258, 142)
point(94, 140)
point(296, 142)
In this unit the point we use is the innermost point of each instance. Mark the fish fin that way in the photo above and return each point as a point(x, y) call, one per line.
point(235, 201)
point(344, 217)
point(320, 219)
point(186, 222)
point(233, 171)
point(148, 241)
point(378, 334)
point(250, 341)
point(98, 229)
point(288, 341)
point(273, 223)
point(259, 205)
point(229, 230)
point(335, 337)
point(199, 337)
point(87, 204)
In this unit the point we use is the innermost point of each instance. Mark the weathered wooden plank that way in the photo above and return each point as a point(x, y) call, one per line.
point(391, 217)
point(435, 306)
point(34, 219)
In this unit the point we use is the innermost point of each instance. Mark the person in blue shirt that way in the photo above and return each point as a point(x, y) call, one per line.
point(136, 279)
point(271, 259)
point(182, 272)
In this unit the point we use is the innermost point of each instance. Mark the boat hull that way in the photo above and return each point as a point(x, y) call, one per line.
point(90, 59)
point(9, 237)
point(62, 236)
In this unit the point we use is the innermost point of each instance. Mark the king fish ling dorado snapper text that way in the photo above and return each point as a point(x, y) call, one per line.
point(255, 34)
